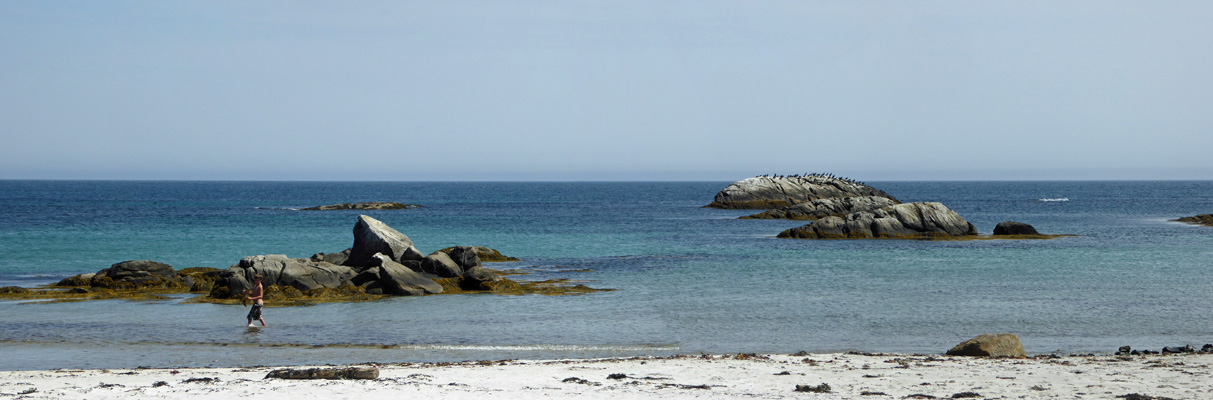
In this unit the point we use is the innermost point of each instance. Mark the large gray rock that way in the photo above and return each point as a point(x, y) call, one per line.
point(399, 280)
point(765, 192)
point(276, 269)
point(901, 221)
point(1014, 228)
point(372, 236)
point(821, 208)
point(990, 345)
point(478, 278)
point(441, 264)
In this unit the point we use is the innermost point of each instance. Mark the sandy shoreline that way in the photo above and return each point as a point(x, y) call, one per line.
point(848, 376)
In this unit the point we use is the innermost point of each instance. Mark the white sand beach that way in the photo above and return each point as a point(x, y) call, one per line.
point(848, 376)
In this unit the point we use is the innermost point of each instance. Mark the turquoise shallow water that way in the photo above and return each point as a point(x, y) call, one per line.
point(690, 279)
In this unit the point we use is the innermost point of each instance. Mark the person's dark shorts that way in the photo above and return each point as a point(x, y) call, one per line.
point(255, 313)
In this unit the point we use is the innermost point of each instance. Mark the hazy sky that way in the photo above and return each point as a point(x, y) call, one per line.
point(618, 90)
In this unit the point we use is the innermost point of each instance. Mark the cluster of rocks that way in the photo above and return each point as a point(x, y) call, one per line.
point(381, 261)
point(370, 205)
point(1186, 349)
point(842, 208)
point(144, 274)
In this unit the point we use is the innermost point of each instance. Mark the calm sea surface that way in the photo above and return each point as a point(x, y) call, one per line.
point(689, 279)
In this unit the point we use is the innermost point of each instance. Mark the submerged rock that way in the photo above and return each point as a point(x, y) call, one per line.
point(990, 345)
point(901, 221)
point(766, 192)
point(1014, 228)
point(370, 205)
point(821, 208)
point(485, 254)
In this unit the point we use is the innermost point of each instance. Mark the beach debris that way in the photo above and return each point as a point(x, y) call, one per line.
point(580, 381)
point(357, 372)
point(966, 395)
point(28, 391)
point(201, 380)
point(990, 345)
point(617, 376)
point(1136, 396)
point(160, 384)
point(822, 388)
point(871, 393)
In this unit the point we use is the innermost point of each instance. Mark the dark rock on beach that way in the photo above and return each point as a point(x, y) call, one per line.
point(360, 372)
point(1014, 228)
point(821, 208)
point(768, 192)
point(372, 205)
point(1203, 219)
point(901, 221)
point(990, 345)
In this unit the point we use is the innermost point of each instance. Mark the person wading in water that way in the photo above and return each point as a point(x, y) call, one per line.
point(256, 294)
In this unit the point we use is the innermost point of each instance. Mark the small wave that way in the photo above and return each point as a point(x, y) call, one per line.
point(278, 208)
point(1054, 199)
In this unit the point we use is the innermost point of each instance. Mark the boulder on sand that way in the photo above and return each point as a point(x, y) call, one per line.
point(901, 221)
point(767, 192)
point(990, 345)
point(372, 236)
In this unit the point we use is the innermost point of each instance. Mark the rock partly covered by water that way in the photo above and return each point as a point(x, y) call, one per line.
point(990, 345)
point(1203, 219)
point(370, 205)
point(767, 192)
point(821, 208)
point(900, 221)
point(1014, 228)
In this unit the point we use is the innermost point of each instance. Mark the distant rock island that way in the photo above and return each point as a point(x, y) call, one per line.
point(1203, 219)
point(843, 208)
point(772, 191)
point(370, 205)
point(900, 221)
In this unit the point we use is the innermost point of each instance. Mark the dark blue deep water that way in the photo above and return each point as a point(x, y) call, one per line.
point(689, 279)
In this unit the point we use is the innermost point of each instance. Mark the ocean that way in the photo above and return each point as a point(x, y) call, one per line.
point(688, 279)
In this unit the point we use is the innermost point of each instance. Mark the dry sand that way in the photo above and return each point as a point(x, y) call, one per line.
point(848, 376)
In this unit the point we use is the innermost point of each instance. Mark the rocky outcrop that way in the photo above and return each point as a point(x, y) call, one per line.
point(372, 236)
point(371, 205)
point(767, 192)
point(303, 274)
point(399, 280)
point(1203, 219)
point(990, 345)
point(1014, 228)
point(901, 221)
point(821, 208)
point(441, 265)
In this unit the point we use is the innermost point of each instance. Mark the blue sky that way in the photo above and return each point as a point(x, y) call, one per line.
point(620, 90)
